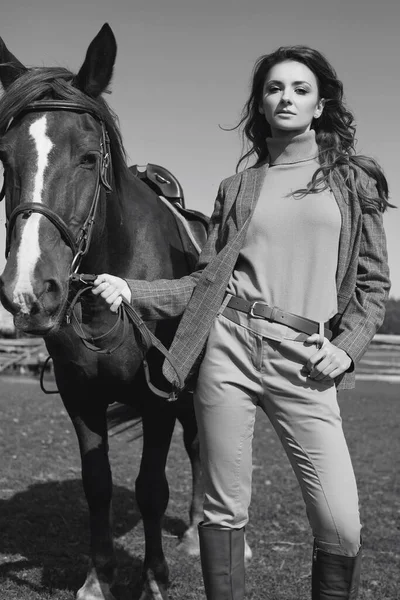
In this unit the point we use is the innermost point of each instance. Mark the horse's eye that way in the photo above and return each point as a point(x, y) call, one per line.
point(89, 160)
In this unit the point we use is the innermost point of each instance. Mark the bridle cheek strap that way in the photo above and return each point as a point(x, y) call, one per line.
point(79, 245)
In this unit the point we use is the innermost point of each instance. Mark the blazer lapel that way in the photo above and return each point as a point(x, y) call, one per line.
point(249, 193)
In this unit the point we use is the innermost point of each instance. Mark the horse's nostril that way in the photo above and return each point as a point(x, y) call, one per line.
point(35, 309)
point(50, 296)
point(50, 286)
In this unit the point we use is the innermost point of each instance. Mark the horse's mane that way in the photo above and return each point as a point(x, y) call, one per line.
point(58, 83)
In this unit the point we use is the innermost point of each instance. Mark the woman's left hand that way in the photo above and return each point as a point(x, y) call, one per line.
point(328, 362)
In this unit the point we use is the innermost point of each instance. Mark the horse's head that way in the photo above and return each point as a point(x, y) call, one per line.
point(55, 132)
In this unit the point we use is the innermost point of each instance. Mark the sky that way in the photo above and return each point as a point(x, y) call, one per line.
point(183, 70)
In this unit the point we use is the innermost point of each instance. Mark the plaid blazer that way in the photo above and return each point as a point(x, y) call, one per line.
point(362, 277)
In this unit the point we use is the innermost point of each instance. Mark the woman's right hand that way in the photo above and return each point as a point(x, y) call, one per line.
point(112, 289)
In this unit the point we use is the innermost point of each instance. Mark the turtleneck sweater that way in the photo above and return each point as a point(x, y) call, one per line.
point(289, 257)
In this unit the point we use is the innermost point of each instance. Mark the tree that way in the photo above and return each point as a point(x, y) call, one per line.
point(391, 323)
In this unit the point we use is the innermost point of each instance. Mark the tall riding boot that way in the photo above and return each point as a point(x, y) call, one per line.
point(335, 577)
point(222, 562)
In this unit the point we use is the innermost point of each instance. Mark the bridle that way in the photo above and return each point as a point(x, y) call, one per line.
point(79, 244)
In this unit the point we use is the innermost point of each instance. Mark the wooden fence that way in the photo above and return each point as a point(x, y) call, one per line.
point(22, 354)
point(380, 362)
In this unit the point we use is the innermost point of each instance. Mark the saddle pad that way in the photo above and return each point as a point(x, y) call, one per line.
point(192, 227)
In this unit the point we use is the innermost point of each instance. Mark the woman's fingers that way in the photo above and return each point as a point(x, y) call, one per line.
point(328, 362)
point(112, 289)
point(114, 306)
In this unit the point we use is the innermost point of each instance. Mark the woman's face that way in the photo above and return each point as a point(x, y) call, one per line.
point(290, 98)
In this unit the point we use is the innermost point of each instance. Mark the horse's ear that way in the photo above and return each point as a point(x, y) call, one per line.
point(96, 72)
point(10, 67)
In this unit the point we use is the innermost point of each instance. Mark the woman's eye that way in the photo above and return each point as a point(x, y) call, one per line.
point(301, 91)
point(273, 90)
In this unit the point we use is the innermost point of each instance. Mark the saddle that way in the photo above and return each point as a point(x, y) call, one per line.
point(166, 185)
point(162, 182)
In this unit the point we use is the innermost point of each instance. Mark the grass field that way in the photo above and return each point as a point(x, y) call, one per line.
point(43, 515)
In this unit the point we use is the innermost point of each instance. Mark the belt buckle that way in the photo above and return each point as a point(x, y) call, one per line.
point(251, 311)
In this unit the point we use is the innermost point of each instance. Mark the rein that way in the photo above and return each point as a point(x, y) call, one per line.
point(125, 314)
point(80, 246)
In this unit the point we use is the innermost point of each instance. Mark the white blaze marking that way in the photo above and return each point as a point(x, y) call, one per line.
point(29, 249)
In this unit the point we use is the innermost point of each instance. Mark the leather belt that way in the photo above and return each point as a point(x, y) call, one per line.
point(260, 310)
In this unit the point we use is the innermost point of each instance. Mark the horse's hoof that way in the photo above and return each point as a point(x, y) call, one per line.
point(93, 589)
point(152, 589)
point(189, 544)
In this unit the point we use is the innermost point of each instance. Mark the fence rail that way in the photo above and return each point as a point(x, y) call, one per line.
point(380, 362)
point(22, 353)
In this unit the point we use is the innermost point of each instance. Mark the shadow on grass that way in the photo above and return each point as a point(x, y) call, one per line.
point(46, 527)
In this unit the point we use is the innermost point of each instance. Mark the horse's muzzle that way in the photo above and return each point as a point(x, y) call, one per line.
point(37, 310)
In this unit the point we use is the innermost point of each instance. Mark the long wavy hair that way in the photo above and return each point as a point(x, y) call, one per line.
point(335, 130)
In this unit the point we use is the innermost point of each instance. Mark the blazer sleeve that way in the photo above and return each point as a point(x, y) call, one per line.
point(365, 311)
point(167, 298)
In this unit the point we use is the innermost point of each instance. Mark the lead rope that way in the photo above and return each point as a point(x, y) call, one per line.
point(125, 312)
point(43, 369)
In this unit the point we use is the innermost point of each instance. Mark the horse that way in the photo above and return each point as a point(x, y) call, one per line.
point(74, 207)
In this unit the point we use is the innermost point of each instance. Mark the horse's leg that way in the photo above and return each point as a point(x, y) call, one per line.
point(186, 416)
point(90, 424)
point(152, 494)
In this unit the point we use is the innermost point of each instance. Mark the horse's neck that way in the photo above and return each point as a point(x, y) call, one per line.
point(110, 236)
point(133, 235)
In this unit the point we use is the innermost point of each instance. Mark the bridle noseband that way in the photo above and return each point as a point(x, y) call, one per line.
point(80, 244)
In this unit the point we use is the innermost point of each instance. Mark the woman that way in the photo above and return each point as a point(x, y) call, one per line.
point(289, 291)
